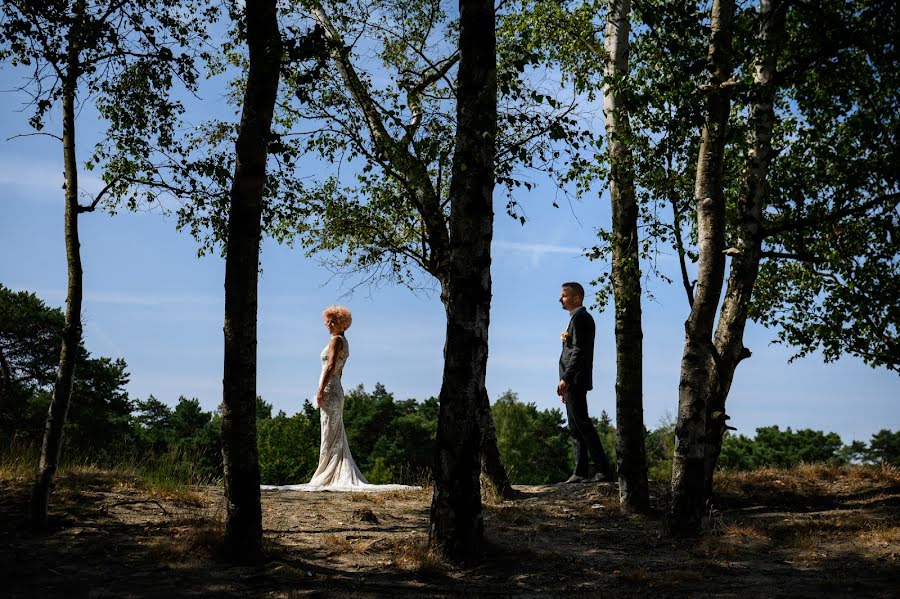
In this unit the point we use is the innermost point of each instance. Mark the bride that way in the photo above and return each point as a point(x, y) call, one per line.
point(336, 471)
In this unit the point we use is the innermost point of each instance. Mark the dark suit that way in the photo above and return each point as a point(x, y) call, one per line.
point(576, 365)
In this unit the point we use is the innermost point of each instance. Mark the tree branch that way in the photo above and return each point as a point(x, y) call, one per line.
point(800, 256)
point(93, 205)
point(412, 95)
point(420, 53)
point(105, 507)
point(514, 145)
point(44, 40)
point(415, 176)
point(676, 229)
point(354, 84)
point(53, 135)
point(789, 226)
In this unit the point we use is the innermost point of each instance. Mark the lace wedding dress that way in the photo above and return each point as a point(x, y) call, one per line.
point(336, 471)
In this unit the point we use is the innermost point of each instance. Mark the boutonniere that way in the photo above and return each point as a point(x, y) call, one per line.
point(564, 336)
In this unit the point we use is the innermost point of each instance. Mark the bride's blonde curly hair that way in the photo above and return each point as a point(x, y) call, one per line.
point(340, 315)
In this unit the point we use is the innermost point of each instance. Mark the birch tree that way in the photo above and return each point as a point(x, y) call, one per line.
point(818, 217)
point(121, 55)
point(810, 183)
point(746, 251)
point(686, 509)
point(626, 271)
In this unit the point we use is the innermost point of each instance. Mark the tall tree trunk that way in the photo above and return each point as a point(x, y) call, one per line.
point(729, 340)
point(456, 520)
point(631, 454)
point(493, 472)
point(243, 524)
point(71, 335)
point(6, 381)
point(688, 468)
point(417, 181)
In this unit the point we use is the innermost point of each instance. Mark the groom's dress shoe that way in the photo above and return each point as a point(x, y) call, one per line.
point(598, 478)
point(574, 479)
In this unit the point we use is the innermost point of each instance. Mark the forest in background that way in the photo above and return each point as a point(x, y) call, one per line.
point(392, 439)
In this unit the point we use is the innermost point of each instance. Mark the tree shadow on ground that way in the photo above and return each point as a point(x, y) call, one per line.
point(112, 539)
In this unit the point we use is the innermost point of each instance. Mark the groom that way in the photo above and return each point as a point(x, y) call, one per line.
point(576, 363)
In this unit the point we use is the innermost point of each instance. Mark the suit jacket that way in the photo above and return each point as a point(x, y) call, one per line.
point(576, 362)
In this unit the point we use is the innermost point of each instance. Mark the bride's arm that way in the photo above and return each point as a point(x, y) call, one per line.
point(334, 348)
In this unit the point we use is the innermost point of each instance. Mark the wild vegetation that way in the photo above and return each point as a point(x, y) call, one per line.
point(808, 531)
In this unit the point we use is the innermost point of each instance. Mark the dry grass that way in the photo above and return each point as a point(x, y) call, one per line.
point(336, 545)
point(342, 544)
point(887, 535)
point(192, 538)
point(18, 461)
point(766, 482)
point(412, 554)
point(520, 515)
point(73, 479)
point(409, 553)
point(366, 497)
point(489, 494)
point(731, 540)
point(184, 495)
point(807, 514)
point(745, 532)
point(391, 497)
point(605, 505)
point(843, 541)
point(807, 480)
point(659, 578)
point(805, 537)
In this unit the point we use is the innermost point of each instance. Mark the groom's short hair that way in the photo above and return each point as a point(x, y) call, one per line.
point(574, 287)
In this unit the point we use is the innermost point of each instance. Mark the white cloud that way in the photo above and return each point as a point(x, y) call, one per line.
point(108, 345)
point(45, 178)
point(534, 252)
point(140, 299)
point(535, 249)
point(124, 298)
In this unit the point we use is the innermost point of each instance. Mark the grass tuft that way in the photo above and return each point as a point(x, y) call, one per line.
point(18, 460)
point(412, 554)
point(197, 536)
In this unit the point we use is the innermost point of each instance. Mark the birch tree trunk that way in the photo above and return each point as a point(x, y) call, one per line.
point(456, 519)
point(243, 524)
point(745, 260)
point(626, 271)
point(698, 361)
point(71, 335)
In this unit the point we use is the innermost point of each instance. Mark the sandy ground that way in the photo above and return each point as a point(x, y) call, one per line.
point(827, 532)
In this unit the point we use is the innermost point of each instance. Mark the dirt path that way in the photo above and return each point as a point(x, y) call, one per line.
point(809, 533)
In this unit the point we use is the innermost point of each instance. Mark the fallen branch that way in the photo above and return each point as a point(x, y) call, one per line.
point(134, 502)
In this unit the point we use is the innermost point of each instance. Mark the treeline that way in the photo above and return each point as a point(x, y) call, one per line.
point(392, 440)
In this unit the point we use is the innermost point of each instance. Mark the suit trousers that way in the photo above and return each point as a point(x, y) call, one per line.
point(585, 440)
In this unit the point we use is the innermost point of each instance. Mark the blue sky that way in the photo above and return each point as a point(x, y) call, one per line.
point(152, 301)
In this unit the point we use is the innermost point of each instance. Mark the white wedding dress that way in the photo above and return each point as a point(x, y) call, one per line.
point(336, 471)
